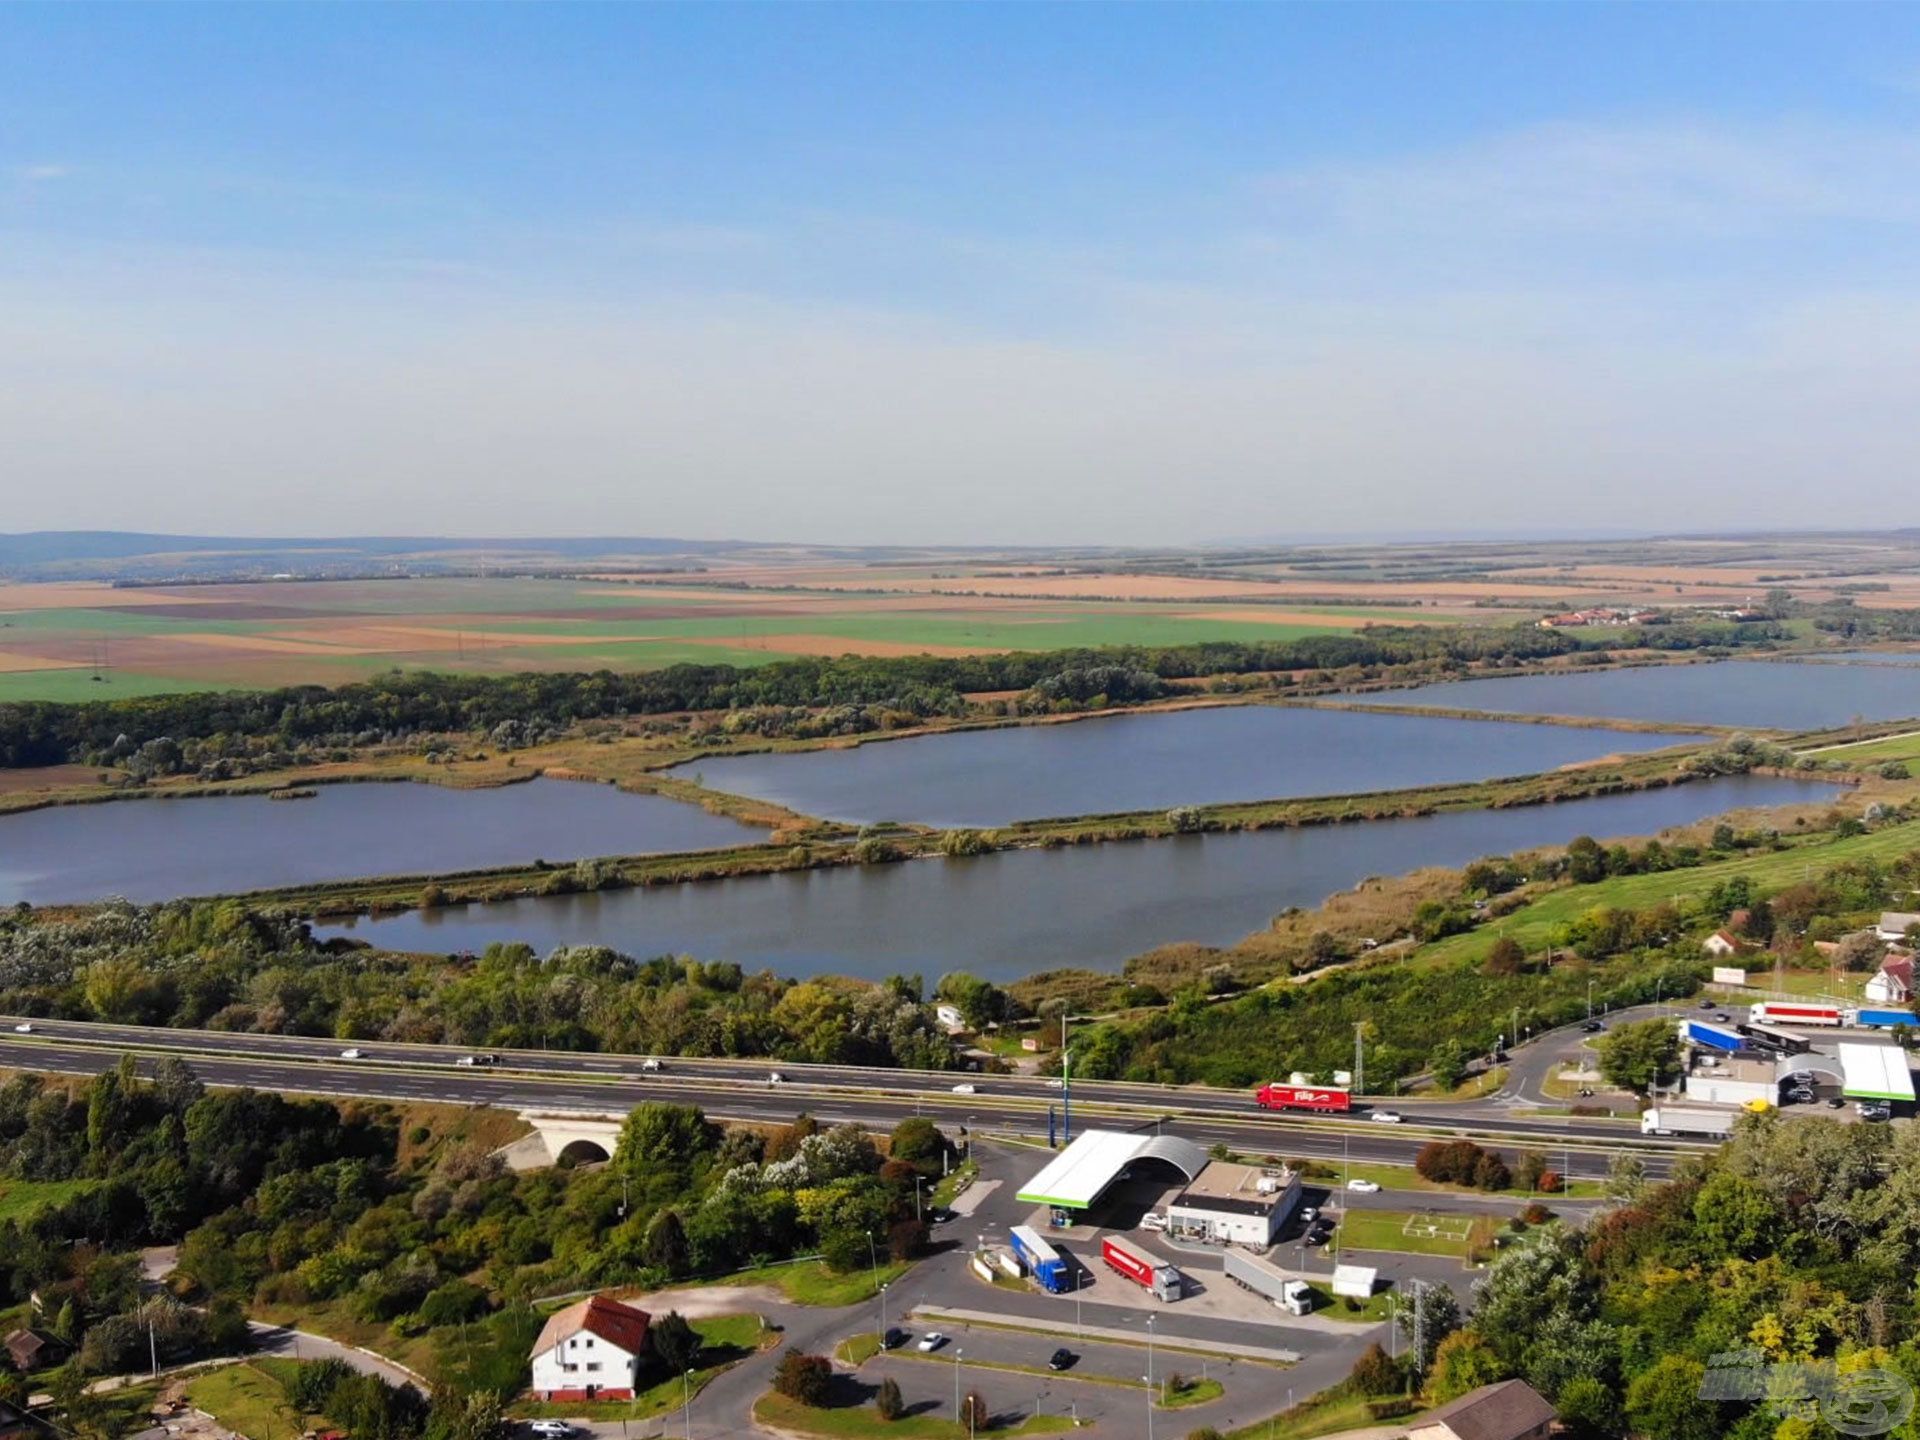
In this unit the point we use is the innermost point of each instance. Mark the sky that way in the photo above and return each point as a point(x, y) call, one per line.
point(929, 274)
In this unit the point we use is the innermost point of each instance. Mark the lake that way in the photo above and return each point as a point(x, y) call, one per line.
point(1765, 694)
point(157, 849)
point(1011, 913)
point(1152, 761)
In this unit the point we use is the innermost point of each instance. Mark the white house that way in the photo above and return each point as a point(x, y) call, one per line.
point(1895, 924)
point(590, 1351)
point(950, 1018)
point(1893, 985)
point(1721, 944)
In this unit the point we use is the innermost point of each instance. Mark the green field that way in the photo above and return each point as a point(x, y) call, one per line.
point(858, 1422)
point(1537, 924)
point(21, 1198)
point(1876, 752)
point(1402, 1231)
point(251, 1399)
point(810, 1282)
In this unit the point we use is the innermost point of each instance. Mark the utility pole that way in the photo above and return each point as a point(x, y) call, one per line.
point(1359, 1058)
point(1419, 1326)
point(1149, 1377)
point(686, 1387)
point(883, 1317)
point(153, 1350)
point(957, 1353)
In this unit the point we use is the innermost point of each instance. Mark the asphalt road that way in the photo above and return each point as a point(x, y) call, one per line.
point(735, 1089)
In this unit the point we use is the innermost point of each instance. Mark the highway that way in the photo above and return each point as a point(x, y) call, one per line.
point(742, 1090)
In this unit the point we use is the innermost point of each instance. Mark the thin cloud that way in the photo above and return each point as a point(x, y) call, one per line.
point(40, 173)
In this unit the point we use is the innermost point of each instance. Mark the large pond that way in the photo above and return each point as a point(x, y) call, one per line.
point(1766, 694)
point(1152, 762)
point(158, 849)
point(1015, 912)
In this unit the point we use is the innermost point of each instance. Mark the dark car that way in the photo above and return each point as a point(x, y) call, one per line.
point(893, 1339)
point(1060, 1359)
point(1706, 1004)
point(1836, 1103)
point(1593, 1027)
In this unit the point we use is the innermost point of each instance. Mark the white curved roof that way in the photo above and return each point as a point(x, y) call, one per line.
point(1081, 1173)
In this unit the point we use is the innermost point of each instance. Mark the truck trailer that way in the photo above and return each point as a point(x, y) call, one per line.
point(1251, 1272)
point(1330, 1098)
point(1688, 1120)
point(1714, 1037)
point(1043, 1262)
point(1157, 1277)
point(1773, 1012)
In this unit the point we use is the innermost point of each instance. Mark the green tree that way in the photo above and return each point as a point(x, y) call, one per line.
point(658, 1136)
point(1447, 1064)
point(675, 1342)
point(803, 1377)
point(1640, 1054)
point(1462, 1362)
point(888, 1401)
point(1374, 1373)
point(917, 1141)
point(1665, 1401)
point(665, 1246)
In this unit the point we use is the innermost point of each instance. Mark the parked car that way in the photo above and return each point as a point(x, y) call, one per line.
point(353, 1054)
point(932, 1340)
point(1364, 1187)
point(1386, 1117)
point(966, 1089)
point(650, 1063)
point(25, 1027)
point(894, 1338)
point(551, 1429)
point(1153, 1220)
point(1874, 1110)
point(1060, 1359)
point(1836, 1103)
point(1309, 1214)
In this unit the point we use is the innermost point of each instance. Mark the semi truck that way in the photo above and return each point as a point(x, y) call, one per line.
point(1043, 1262)
point(1687, 1120)
point(1714, 1037)
point(1329, 1098)
point(1885, 1019)
point(1157, 1277)
point(1770, 1012)
point(1251, 1272)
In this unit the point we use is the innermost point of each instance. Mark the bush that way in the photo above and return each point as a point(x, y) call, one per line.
point(974, 1413)
point(803, 1377)
point(453, 1303)
point(888, 1400)
point(1374, 1373)
point(313, 1384)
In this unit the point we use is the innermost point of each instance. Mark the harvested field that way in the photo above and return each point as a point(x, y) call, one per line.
point(55, 638)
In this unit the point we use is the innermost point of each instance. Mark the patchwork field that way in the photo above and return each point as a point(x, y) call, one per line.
point(83, 641)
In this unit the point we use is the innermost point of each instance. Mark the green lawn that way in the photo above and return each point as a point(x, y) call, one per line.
point(1372, 1310)
point(726, 1341)
point(1535, 925)
point(1194, 1392)
point(810, 1282)
point(1876, 752)
point(22, 1198)
point(1328, 1415)
point(1385, 1230)
point(1405, 1177)
point(858, 1422)
point(76, 685)
point(252, 1400)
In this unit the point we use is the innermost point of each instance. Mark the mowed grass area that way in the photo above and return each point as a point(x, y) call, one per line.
point(810, 1282)
point(20, 1199)
point(1876, 752)
point(1538, 924)
point(858, 1422)
point(1408, 1232)
point(158, 640)
point(252, 1399)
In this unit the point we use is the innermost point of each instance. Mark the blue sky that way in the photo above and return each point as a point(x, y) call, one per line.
point(1124, 274)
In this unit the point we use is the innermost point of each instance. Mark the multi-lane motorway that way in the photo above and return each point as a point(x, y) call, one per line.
point(741, 1089)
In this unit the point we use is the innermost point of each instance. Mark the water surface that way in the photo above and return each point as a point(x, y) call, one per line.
point(157, 849)
point(1012, 913)
point(1766, 694)
point(1153, 761)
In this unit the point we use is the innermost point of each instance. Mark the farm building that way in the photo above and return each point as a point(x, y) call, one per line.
point(590, 1351)
point(1721, 944)
point(1895, 924)
point(1235, 1204)
point(1511, 1410)
point(33, 1349)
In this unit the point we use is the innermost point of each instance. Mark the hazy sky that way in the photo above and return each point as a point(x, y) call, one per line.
point(984, 273)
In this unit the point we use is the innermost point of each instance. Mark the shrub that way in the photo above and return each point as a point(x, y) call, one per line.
point(888, 1400)
point(803, 1377)
point(974, 1413)
point(1374, 1373)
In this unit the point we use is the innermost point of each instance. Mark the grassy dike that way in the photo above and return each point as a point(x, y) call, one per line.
point(822, 845)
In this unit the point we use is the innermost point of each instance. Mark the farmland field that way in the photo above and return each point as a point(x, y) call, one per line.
point(87, 641)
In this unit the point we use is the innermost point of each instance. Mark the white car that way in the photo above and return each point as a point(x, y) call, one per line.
point(1364, 1187)
point(352, 1055)
point(551, 1429)
point(776, 1078)
point(1386, 1117)
point(1309, 1214)
point(966, 1089)
point(1056, 1083)
point(932, 1340)
point(1153, 1220)
point(650, 1063)
point(25, 1027)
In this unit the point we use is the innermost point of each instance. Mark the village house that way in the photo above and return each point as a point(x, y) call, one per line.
point(34, 1349)
point(1721, 944)
point(590, 1351)
point(1893, 985)
point(1511, 1410)
point(1895, 924)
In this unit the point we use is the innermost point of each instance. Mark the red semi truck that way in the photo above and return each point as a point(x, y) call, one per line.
point(1303, 1097)
point(1155, 1276)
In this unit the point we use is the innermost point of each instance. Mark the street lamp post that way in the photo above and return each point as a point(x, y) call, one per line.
point(957, 1353)
point(686, 1386)
point(1589, 1002)
point(883, 1317)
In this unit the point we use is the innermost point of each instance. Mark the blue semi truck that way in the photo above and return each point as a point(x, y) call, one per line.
point(1043, 1262)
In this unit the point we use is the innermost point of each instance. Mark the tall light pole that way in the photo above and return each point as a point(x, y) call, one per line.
point(1359, 1058)
point(686, 1387)
point(873, 1258)
point(957, 1353)
point(1149, 1377)
point(1589, 1002)
point(883, 1317)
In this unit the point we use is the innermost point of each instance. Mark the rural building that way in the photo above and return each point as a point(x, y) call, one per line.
point(1893, 985)
point(1074, 1181)
point(1355, 1282)
point(1721, 944)
point(1235, 1204)
point(950, 1018)
point(33, 1349)
point(590, 1351)
point(1732, 1081)
point(1511, 1410)
point(1895, 924)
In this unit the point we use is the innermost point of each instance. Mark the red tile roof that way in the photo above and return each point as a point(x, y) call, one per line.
point(617, 1324)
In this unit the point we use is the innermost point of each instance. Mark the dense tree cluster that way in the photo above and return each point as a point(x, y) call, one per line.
point(856, 692)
